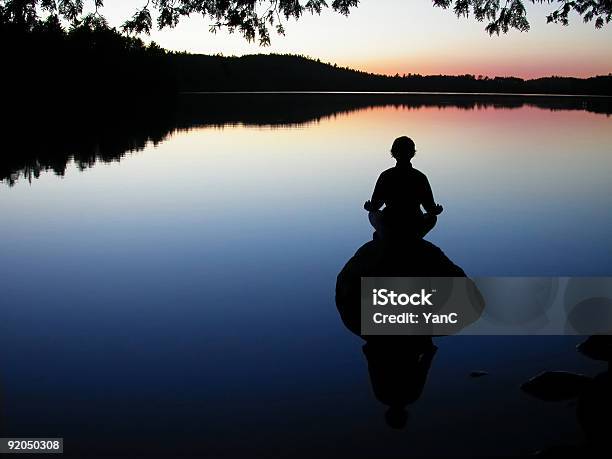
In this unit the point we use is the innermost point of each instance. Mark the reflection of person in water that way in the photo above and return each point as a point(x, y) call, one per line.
point(398, 365)
point(398, 368)
point(402, 190)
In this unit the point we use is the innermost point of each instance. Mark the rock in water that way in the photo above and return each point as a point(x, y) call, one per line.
point(555, 386)
point(413, 258)
point(478, 374)
point(597, 347)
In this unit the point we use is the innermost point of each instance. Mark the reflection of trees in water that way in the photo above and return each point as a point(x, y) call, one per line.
point(48, 138)
point(49, 141)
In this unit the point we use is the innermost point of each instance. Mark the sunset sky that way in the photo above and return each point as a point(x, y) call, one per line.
point(400, 36)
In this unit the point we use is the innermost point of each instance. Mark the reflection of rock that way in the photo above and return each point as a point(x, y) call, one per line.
point(580, 289)
point(519, 301)
point(588, 303)
point(416, 258)
point(594, 410)
point(554, 386)
point(593, 315)
point(597, 347)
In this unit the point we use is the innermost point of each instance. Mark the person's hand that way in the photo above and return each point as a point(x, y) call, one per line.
point(437, 209)
point(368, 205)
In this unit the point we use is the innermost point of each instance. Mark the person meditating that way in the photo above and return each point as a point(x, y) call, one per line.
point(402, 190)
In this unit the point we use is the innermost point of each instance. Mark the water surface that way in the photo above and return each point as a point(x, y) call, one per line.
point(173, 289)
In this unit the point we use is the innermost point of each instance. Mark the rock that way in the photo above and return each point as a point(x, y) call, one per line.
point(554, 386)
point(597, 347)
point(560, 451)
point(377, 258)
point(478, 374)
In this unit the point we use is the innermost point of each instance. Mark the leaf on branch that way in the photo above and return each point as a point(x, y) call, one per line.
point(168, 17)
point(344, 6)
point(139, 23)
point(93, 21)
point(513, 14)
point(48, 5)
point(70, 9)
point(462, 8)
point(442, 3)
point(315, 6)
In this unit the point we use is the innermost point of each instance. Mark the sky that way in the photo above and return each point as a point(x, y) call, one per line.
point(407, 36)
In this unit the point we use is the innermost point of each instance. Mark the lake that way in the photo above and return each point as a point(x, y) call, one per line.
point(168, 281)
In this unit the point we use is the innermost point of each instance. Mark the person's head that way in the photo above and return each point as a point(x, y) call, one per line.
point(403, 149)
point(396, 417)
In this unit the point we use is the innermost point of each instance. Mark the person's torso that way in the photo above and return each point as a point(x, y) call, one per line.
point(403, 192)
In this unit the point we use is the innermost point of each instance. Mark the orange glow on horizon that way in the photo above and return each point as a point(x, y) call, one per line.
point(527, 70)
point(415, 38)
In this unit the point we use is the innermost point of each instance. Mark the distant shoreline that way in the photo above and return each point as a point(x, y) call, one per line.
point(400, 93)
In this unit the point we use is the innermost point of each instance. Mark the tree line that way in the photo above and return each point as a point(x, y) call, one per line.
point(90, 63)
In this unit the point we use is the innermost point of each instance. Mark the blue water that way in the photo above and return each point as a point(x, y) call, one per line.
point(181, 300)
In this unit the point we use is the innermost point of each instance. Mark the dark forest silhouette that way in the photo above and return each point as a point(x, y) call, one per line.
point(299, 73)
point(86, 65)
point(90, 62)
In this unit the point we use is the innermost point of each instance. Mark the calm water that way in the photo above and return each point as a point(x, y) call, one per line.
point(181, 297)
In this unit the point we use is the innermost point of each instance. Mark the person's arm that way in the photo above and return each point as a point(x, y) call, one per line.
point(377, 200)
point(428, 202)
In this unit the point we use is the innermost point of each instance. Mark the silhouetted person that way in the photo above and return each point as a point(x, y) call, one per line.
point(402, 190)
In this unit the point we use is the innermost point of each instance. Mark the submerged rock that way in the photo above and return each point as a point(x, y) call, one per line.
point(478, 374)
point(555, 386)
point(560, 451)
